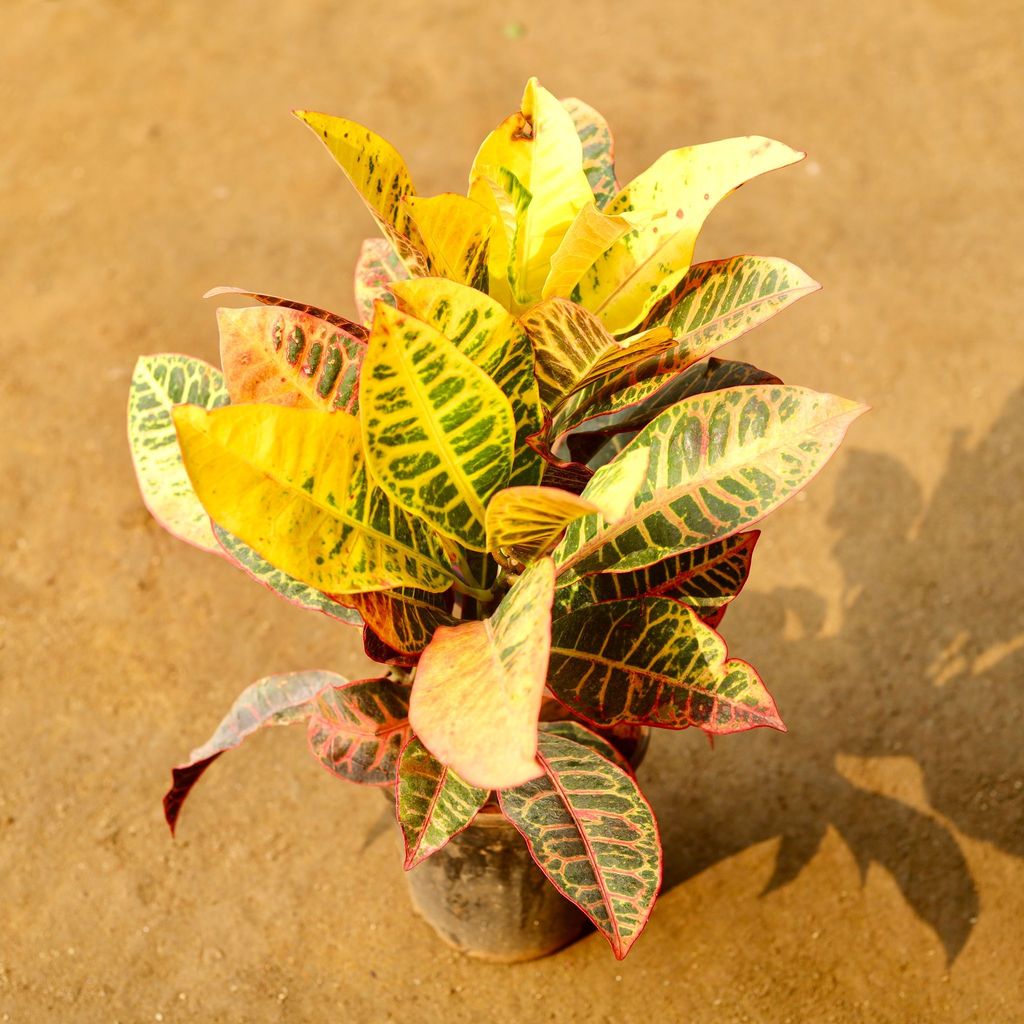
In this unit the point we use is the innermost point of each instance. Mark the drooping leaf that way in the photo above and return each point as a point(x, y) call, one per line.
point(483, 330)
point(705, 579)
point(529, 520)
point(301, 594)
point(579, 733)
point(456, 234)
point(377, 268)
point(405, 618)
point(437, 431)
point(269, 474)
point(571, 348)
point(378, 173)
point(598, 148)
point(535, 156)
point(275, 700)
point(278, 355)
point(651, 661)
point(160, 382)
point(719, 463)
point(433, 803)
point(593, 834)
point(478, 688)
point(357, 730)
point(587, 237)
point(672, 198)
point(335, 319)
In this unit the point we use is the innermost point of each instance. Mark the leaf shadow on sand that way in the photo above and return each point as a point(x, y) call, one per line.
point(927, 664)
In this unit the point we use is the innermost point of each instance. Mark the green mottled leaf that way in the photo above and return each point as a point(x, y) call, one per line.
point(276, 700)
point(598, 149)
point(158, 384)
point(433, 803)
point(579, 733)
point(377, 268)
point(357, 730)
point(593, 834)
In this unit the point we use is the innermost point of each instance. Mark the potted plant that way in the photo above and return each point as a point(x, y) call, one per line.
point(525, 477)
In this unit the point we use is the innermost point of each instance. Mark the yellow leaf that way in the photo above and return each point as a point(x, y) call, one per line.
point(589, 235)
point(478, 689)
point(292, 484)
point(499, 250)
point(456, 233)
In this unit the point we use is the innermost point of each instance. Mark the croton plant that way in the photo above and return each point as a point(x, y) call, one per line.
point(519, 473)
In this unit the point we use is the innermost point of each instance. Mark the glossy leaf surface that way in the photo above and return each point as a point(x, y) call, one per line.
point(456, 234)
point(589, 235)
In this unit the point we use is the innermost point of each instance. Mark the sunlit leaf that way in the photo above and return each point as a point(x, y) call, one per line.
point(593, 834)
point(456, 234)
point(485, 679)
point(159, 383)
point(589, 235)
point(433, 803)
point(335, 319)
point(377, 268)
point(438, 432)
point(357, 730)
point(269, 474)
point(598, 148)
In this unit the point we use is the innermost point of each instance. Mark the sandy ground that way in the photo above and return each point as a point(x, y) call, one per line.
point(865, 867)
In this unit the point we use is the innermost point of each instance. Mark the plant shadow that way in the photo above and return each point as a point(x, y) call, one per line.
point(926, 664)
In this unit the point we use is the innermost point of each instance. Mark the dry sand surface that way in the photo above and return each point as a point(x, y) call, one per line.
point(865, 867)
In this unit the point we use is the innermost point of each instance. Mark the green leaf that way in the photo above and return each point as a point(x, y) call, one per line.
point(653, 662)
point(433, 803)
point(377, 268)
point(481, 329)
point(437, 431)
point(598, 149)
point(275, 700)
point(271, 475)
point(718, 464)
point(593, 834)
point(477, 694)
point(405, 619)
point(282, 356)
point(579, 733)
point(159, 383)
point(301, 594)
point(357, 730)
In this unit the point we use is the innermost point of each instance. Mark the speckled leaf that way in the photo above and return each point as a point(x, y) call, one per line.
point(456, 234)
point(719, 463)
point(335, 319)
point(485, 332)
point(292, 484)
point(536, 157)
point(593, 834)
point(706, 579)
point(357, 730)
point(377, 268)
point(160, 382)
point(276, 700)
point(598, 148)
point(433, 803)
point(478, 688)
point(301, 594)
point(405, 619)
point(378, 173)
point(589, 235)
point(278, 355)
point(673, 197)
point(437, 431)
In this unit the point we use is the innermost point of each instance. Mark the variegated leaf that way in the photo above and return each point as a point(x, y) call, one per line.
point(377, 268)
point(433, 803)
point(276, 700)
point(705, 579)
point(483, 330)
point(438, 433)
point(456, 234)
point(160, 382)
point(593, 834)
point(527, 521)
point(383, 653)
point(651, 661)
point(535, 156)
point(598, 148)
point(672, 198)
point(270, 474)
point(478, 688)
point(357, 730)
point(335, 319)
point(589, 235)
point(301, 594)
point(378, 173)
point(278, 355)
point(502, 209)
point(405, 619)
point(579, 733)
point(719, 463)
